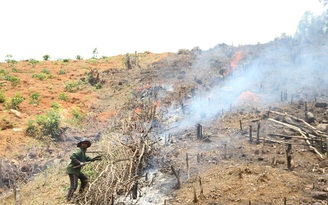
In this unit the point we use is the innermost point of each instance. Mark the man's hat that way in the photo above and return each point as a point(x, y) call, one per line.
point(84, 140)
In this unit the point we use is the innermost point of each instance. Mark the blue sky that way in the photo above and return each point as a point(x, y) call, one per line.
point(66, 28)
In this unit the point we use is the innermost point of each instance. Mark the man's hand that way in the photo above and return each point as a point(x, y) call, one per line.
point(81, 164)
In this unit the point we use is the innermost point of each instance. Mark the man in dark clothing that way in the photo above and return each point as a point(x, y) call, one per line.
point(78, 160)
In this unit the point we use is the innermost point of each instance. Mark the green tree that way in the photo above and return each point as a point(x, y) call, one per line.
point(46, 57)
point(95, 53)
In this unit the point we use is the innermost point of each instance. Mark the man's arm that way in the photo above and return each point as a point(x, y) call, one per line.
point(76, 156)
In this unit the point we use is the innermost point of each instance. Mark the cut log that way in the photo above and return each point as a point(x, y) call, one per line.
point(312, 129)
point(322, 105)
point(303, 134)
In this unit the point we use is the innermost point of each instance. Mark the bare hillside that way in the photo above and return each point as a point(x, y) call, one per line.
point(234, 125)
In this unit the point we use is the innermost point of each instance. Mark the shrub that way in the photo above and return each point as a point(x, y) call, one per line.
point(45, 71)
point(62, 72)
point(32, 129)
point(77, 114)
point(77, 119)
point(72, 87)
point(3, 72)
point(40, 76)
point(2, 97)
point(78, 57)
point(98, 86)
point(9, 60)
point(55, 105)
point(34, 98)
point(93, 61)
point(16, 100)
point(66, 60)
point(33, 62)
point(63, 97)
point(49, 123)
point(183, 52)
point(14, 80)
point(14, 69)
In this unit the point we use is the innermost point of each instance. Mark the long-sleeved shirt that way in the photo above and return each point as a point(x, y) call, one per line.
point(77, 157)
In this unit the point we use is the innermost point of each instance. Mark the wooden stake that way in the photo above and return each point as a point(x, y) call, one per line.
point(291, 100)
point(201, 186)
point(305, 106)
point(195, 196)
point(285, 96)
point(281, 96)
point(264, 141)
point(225, 151)
point(241, 125)
point(250, 134)
point(258, 133)
point(17, 195)
point(135, 190)
point(288, 155)
point(177, 175)
point(187, 162)
point(198, 158)
point(199, 131)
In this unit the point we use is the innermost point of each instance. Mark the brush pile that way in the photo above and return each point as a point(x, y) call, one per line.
point(127, 146)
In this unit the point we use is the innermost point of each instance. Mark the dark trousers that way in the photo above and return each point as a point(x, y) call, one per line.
point(74, 182)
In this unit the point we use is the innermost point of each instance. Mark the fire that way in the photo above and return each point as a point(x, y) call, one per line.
point(248, 96)
point(235, 59)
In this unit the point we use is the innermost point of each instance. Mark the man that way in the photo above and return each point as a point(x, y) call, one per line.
point(78, 160)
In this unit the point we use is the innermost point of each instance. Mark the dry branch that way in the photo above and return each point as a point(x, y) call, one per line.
point(177, 175)
point(313, 129)
point(303, 134)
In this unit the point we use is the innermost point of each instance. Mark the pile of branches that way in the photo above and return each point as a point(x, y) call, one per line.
point(114, 178)
point(127, 146)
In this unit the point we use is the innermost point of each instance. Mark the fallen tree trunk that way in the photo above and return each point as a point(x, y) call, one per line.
point(303, 134)
point(313, 129)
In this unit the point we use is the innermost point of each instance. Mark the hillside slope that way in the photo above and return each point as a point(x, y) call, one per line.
point(268, 90)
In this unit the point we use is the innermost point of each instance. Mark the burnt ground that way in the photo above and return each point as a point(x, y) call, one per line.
point(273, 101)
point(279, 87)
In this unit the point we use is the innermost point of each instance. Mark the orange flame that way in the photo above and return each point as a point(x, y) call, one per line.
point(248, 96)
point(234, 62)
point(235, 59)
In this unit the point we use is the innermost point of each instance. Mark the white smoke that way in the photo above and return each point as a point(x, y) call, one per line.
point(297, 71)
